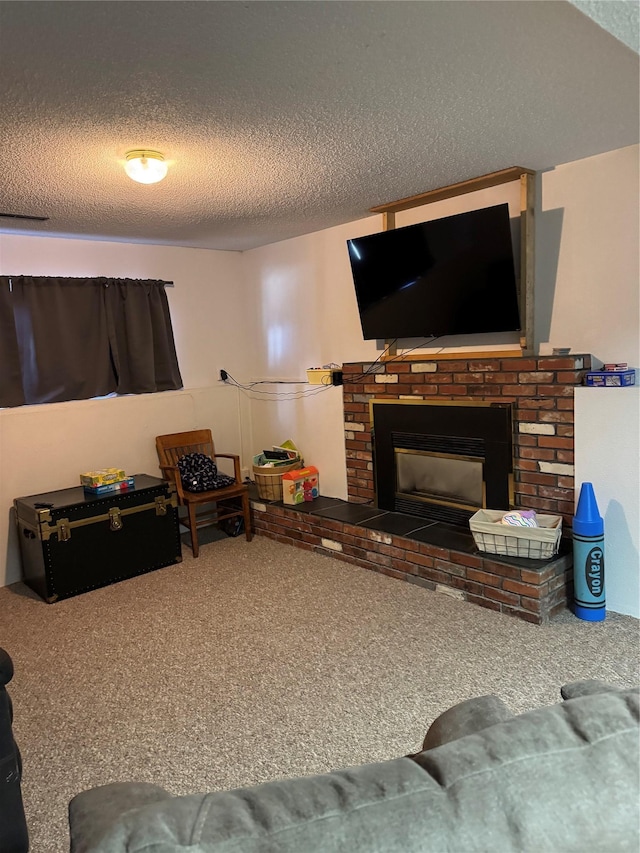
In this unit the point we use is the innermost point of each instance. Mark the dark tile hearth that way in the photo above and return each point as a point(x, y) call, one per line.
point(397, 523)
point(316, 506)
point(447, 536)
point(350, 513)
point(436, 533)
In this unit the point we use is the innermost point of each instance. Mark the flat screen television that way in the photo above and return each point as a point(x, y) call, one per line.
point(449, 276)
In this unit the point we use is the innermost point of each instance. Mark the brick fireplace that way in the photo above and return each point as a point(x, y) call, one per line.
point(538, 393)
point(539, 389)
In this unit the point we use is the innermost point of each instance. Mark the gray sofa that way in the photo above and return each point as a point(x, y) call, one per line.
point(14, 837)
point(561, 778)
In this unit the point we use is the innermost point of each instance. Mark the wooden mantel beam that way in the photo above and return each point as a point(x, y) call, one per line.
point(493, 179)
point(527, 254)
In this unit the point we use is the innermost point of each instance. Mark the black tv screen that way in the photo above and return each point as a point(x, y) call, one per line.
point(449, 276)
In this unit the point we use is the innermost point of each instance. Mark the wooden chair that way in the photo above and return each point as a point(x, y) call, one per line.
point(227, 502)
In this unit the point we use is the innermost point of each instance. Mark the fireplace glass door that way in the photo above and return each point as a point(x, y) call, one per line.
point(446, 479)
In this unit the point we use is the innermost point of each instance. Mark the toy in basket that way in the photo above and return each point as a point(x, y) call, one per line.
point(512, 534)
point(267, 474)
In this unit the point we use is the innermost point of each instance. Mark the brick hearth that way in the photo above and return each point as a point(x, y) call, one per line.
point(532, 590)
point(436, 555)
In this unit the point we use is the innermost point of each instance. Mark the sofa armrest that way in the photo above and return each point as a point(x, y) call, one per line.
point(466, 718)
point(588, 687)
point(93, 813)
point(14, 837)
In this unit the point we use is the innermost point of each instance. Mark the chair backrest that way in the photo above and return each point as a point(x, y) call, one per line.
point(171, 447)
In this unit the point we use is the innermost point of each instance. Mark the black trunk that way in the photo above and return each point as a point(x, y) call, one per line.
point(72, 542)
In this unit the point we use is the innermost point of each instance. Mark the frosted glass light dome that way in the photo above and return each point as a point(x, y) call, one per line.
point(145, 167)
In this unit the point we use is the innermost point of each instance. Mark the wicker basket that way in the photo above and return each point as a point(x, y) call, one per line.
point(536, 543)
point(269, 480)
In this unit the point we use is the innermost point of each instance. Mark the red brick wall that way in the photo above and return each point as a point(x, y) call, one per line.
point(541, 390)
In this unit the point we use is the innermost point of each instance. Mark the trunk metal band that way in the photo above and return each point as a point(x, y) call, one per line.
point(63, 526)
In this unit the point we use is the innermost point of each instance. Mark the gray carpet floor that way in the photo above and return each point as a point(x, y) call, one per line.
point(258, 661)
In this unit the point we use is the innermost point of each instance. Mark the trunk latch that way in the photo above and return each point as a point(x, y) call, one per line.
point(63, 529)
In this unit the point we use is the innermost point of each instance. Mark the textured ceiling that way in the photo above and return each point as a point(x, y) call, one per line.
point(282, 118)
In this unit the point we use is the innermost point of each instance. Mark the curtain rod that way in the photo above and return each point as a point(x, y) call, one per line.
point(156, 281)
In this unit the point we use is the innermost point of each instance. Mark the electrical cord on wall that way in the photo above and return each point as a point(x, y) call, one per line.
point(250, 389)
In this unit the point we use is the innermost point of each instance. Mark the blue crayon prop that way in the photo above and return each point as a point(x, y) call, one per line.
point(588, 558)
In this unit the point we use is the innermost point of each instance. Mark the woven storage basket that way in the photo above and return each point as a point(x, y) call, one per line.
point(536, 543)
point(269, 480)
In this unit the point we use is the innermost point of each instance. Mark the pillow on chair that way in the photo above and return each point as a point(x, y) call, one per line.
point(199, 473)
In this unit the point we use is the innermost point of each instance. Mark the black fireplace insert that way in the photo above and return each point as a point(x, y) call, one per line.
point(442, 460)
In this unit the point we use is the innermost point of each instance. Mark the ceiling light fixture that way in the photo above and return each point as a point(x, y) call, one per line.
point(145, 167)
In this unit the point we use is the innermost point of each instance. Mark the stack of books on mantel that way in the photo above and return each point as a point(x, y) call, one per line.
point(106, 481)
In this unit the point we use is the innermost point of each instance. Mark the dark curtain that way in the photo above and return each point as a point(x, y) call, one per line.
point(11, 393)
point(81, 338)
point(141, 336)
point(64, 345)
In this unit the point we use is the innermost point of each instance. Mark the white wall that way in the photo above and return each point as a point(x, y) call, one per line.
point(303, 310)
point(608, 455)
point(588, 256)
point(591, 284)
point(43, 448)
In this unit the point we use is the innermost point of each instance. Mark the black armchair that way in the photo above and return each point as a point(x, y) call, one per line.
point(13, 827)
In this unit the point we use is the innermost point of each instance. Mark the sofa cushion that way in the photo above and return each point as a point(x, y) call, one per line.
point(466, 718)
point(585, 687)
point(101, 813)
point(199, 473)
point(563, 778)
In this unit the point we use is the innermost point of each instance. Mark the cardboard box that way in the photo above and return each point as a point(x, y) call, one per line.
point(319, 376)
point(103, 477)
point(610, 378)
point(301, 485)
point(111, 488)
